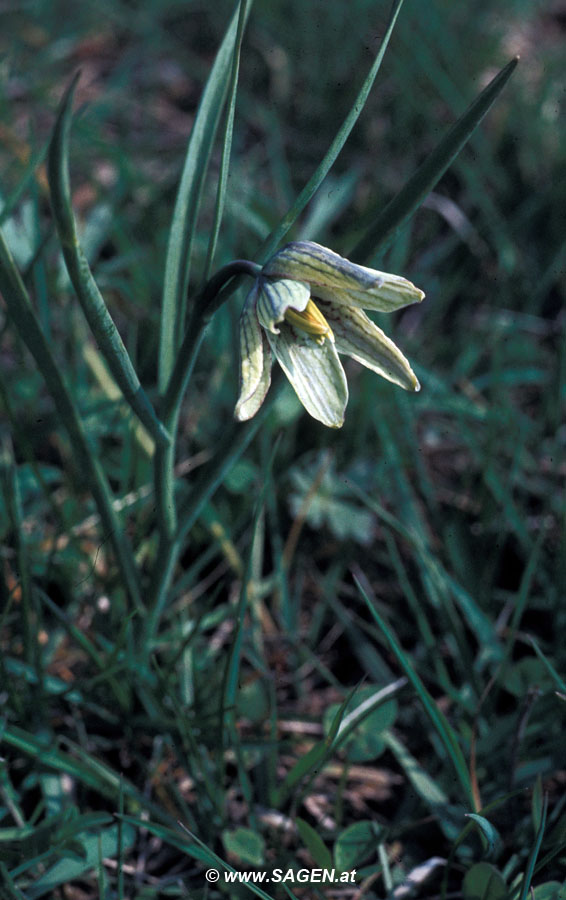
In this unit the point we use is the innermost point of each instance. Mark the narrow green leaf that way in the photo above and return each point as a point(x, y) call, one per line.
point(24, 318)
point(537, 803)
point(437, 718)
point(316, 179)
point(362, 728)
point(309, 763)
point(531, 862)
point(458, 839)
point(171, 836)
point(235, 442)
point(234, 659)
point(86, 289)
point(11, 490)
point(211, 857)
point(559, 682)
point(87, 770)
point(232, 679)
point(120, 844)
point(392, 219)
point(8, 207)
point(427, 789)
point(7, 884)
point(487, 830)
point(86, 644)
point(244, 10)
point(187, 204)
point(312, 761)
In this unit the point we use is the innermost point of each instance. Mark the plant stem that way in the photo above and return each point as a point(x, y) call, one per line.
point(169, 546)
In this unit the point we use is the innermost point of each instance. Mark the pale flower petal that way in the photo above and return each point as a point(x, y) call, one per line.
point(306, 306)
point(315, 373)
point(334, 278)
point(275, 297)
point(255, 361)
point(357, 336)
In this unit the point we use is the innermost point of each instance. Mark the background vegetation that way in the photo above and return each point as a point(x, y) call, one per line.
point(428, 536)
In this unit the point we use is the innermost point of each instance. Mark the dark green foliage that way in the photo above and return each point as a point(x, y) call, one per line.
point(350, 650)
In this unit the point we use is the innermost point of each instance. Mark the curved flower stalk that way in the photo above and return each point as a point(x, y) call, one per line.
point(306, 306)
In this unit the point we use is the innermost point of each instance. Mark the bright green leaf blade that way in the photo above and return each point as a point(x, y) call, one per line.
point(244, 10)
point(86, 289)
point(436, 717)
point(391, 220)
point(187, 205)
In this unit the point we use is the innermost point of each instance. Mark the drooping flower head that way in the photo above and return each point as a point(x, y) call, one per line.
point(304, 308)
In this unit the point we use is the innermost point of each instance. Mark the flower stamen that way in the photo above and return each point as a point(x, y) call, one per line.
point(311, 321)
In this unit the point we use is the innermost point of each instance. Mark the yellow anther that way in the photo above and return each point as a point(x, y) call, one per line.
point(310, 321)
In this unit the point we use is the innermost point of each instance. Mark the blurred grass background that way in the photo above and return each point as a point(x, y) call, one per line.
point(447, 506)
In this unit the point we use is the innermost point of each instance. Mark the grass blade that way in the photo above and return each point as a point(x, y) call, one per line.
point(182, 231)
point(313, 760)
point(316, 179)
point(229, 451)
point(391, 220)
point(437, 718)
point(25, 320)
point(10, 489)
point(86, 289)
point(559, 682)
point(211, 856)
point(232, 447)
point(245, 6)
point(531, 862)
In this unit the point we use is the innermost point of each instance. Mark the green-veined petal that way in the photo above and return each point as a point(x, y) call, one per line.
point(255, 361)
point(357, 336)
point(394, 293)
point(275, 297)
point(315, 372)
point(335, 278)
